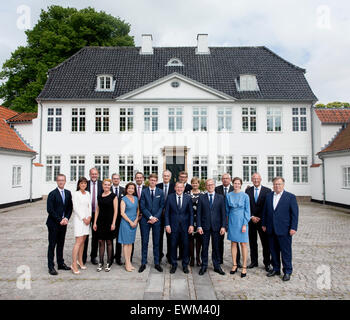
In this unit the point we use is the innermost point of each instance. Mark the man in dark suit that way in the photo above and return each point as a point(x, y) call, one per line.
point(224, 189)
point(257, 196)
point(183, 176)
point(119, 192)
point(151, 205)
point(95, 188)
point(211, 222)
point(59, 208)
point(168, 188)
point(280, 221)
point(179, 223)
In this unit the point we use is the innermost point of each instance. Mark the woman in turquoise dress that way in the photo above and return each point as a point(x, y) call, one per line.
point(129, 211)
point(238, 214)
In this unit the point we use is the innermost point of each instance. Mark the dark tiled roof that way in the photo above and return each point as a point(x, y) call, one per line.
point(76, 77)
point(334, 115)
point(6, 113)
point(9, 140)
point(23, 117)
point(341, 142)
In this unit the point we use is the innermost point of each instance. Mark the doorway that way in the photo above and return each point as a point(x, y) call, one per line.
point(175, 160)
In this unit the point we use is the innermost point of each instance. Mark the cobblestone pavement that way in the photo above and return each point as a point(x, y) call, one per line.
point(321, 261)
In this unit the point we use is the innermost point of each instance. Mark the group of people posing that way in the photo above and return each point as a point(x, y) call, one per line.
point(189, 217)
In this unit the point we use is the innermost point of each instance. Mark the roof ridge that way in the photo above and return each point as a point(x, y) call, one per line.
point(342, 129)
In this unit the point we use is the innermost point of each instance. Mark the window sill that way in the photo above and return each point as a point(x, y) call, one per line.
point(19, 186)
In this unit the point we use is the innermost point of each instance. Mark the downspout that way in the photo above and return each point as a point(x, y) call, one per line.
point(323, 181)
point(31, 180)
point(312, 135)
point(41, 132)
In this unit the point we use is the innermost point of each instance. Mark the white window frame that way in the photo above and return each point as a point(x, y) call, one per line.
point(251, 163)
point(200, 119)
point(299, 119)
point(78, 119)
point(225, 165)
point(249, 116)
point(299, 168)
point(175, 115)
point(16, 176)
point(77, 164)
point(224, 119)
point(151, 119)
point(150, 165)
point(54, 119)
point(105, 83)
point(102, 119)
point(54, 166)
point(102, 164)
point(126, 115)
point(247, 82)
point(201, 165)
point(276, 166)
point(275, 113)
point(346, 177)
point(126, 168)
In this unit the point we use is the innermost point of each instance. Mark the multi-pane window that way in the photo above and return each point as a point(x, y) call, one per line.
point(151, 119)
point(77, 167)
point(54, 119)
point(126, 168)
point(78, 119)
point(175, 118)
point(274, 167)
point(247, 82)
point(250, 166)
point(53, 167)
point(105, 82)
point(300, 170)
point(16, 176)
point(200, 119)
point(102, 165)
point(126, 119)
point(225, 164)
point(274, 119)
point(224, 118)
point(102, 119)
point(200, 167)
point(249, 119)
point(150, 165)
point(346, 177)
point(299, 119)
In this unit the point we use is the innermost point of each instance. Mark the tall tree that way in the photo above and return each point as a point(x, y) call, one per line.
point(59, 33)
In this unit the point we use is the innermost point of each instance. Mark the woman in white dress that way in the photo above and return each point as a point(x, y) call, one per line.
point(82, 217)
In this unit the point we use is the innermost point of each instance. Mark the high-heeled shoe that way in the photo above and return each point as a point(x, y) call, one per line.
point(74, 272)
point(82, 267)
point(129, 270)
point(244, 274)
point(234, 271)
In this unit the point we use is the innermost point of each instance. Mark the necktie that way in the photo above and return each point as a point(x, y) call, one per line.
point(256, 195)
point(179, 202)
point(139, 192)
point(93, 202)
point(63, 196)
point(165, 190)
point(210, 200)
point(225, 191)
point(152, 194)
point(116, 191)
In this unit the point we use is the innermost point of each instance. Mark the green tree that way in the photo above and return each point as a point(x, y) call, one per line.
point(59, 33)
point(335, 104)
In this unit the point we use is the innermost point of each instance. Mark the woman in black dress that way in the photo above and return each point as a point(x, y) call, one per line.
point(104, 224)
point(195, 237)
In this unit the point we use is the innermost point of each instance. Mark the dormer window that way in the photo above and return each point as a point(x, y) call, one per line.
point(105, 83)
point(247, 82)
point(174, 62)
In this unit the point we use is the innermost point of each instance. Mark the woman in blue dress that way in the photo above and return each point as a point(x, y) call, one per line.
point(238, 214)
point(129, 211)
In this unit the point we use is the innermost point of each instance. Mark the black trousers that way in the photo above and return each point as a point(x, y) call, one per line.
point(254, 230)
point(57, 235)
point(94, 242)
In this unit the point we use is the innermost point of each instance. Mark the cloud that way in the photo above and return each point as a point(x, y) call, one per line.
point(311, 34)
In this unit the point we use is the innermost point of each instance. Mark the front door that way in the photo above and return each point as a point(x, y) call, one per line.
point(175, 164)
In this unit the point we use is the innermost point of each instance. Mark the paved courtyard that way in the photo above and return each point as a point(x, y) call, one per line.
point(321, 260)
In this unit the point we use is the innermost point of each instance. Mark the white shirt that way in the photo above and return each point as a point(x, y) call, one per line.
point(92, 186)
point(62, 190)
point(259, 189)
point(181, 198)
point(115, 188)
point(209, 196)
point(276, 199)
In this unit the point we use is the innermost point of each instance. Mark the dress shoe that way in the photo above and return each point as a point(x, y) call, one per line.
point(253, 265)
point(94, 261)
point(173, 269)
point(273, 273)
point(119, 262)
point(158, 267)
point(185, 269)
point(235, 270)
point(53, 272)
point(142, 268)
point(268, 268)
point(286, 277)
point(202, 271)
point(63, 267)
point(244, 274)
point(219, 271)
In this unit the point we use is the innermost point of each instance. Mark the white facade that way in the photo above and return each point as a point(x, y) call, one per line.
point(211, 143)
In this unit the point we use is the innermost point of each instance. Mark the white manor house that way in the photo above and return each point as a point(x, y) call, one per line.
point(206, 110)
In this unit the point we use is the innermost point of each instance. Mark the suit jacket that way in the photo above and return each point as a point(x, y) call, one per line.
point(143, 187)
point(170, 190)
point(178, 219)
point(57, 209)
point(188, 188)
point(99, 187)
point(220, 189)
point(121, 192)
point(284, 218)
point(151, 208)
point(213, 218)
point(257, 208)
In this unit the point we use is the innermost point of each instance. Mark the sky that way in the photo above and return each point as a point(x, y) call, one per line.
point(311, 34)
